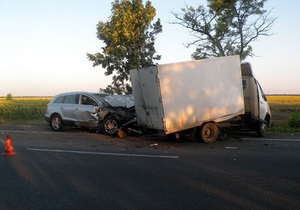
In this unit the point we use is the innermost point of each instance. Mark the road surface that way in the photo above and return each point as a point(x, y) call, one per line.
point(77, 169)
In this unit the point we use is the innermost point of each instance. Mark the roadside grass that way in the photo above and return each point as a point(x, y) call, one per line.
point(283, 127)
point(283, 108)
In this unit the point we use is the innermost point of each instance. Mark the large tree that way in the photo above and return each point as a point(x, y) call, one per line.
point(226, 27)
point(128, 38)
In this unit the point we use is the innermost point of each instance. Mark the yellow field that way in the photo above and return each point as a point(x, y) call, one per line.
point(23, 108)
point(272, 99)
point(284, 99)
point(29, 98)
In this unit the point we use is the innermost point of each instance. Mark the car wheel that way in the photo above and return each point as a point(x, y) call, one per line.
point(261, 129)
point(56, 123)
point(111, 125)
point(208, 133)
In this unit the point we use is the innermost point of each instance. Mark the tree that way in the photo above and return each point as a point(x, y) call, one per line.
point(227, 27)
point(9, 97)
point(129, 39)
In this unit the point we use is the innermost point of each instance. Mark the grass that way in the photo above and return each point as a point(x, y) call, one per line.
point(282, 108)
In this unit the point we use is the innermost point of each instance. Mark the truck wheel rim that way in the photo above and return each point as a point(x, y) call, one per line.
point(210, 133)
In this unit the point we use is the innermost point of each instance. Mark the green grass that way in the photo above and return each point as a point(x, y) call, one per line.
point(283, 127)
point(283, 105)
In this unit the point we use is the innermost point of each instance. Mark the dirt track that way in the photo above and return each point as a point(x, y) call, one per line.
point(280, 116)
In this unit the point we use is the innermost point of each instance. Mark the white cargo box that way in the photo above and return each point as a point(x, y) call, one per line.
point(178, 96)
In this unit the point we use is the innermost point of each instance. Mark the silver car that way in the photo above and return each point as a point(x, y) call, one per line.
point(92, 110)
point(74, 109)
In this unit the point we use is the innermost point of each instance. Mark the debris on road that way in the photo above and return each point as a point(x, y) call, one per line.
point(231, 148)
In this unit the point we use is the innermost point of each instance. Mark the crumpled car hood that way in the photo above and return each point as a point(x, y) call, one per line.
point(126, 101)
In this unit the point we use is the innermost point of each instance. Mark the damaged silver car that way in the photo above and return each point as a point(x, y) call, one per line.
point(90, 110)
point(116, 113)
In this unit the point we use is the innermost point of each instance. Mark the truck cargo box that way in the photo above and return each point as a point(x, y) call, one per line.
point(179, 96)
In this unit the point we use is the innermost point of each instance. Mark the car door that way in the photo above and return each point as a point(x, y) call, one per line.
point(68, 106)
point(85, 109)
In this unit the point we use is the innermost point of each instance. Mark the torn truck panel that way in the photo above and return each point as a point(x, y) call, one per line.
point(147, 97)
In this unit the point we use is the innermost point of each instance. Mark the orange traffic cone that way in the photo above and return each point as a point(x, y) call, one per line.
point(9, 150)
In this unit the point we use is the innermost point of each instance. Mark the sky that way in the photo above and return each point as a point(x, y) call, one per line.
point(43, 45)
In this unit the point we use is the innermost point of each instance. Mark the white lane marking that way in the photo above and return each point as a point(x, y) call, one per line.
point(104, 153)
point(254, 139)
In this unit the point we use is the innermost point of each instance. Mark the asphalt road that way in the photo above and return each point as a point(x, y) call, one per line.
point(76, 169)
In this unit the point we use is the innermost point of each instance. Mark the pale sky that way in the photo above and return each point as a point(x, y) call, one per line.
point(43, 45)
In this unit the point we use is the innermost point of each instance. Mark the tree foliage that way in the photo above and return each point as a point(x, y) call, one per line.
point(9, 97)
point(226, 27)
point(128, 38)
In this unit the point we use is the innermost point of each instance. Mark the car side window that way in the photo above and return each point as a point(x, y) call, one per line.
point(86, 100)
point(70, 99)
point(59, 100)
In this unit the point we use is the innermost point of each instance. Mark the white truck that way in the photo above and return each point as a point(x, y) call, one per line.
point(200, 96)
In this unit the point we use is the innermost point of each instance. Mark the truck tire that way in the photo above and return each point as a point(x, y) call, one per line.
point(56, 122)
point(261, 129)
point(111, 125)
point(207, 133)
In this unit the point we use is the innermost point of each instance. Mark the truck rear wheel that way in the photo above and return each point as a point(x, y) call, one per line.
point(208, 133)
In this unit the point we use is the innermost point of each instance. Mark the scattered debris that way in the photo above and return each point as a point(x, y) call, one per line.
point(231, 148)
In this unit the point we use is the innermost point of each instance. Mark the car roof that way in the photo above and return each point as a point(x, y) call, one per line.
point(80, 92)
point(94, 95)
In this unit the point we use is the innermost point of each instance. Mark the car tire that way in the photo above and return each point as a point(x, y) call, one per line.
point(56, 122)
point(111, 125)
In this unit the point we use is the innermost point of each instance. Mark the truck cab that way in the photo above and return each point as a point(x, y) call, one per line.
point(257, 111)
